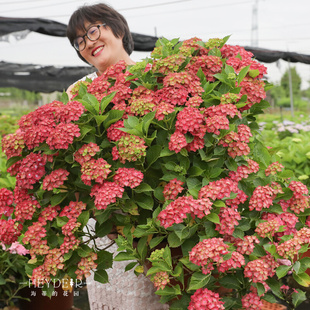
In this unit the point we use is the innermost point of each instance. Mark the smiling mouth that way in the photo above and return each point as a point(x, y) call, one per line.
point(97, 50)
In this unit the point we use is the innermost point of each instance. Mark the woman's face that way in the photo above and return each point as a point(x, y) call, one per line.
point(105, 51)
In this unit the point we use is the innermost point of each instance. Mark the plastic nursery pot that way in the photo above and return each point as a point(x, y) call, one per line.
point(61, 300)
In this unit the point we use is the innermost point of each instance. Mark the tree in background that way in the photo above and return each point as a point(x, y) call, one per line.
point(296, 82)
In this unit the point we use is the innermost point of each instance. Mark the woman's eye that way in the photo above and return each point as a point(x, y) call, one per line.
point(93, 30)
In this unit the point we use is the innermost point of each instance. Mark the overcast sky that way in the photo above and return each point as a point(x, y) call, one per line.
point(281, 25)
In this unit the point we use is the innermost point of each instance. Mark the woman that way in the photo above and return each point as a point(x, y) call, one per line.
point(102, 38)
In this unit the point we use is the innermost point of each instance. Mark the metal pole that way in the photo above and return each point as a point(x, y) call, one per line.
point(291, 88)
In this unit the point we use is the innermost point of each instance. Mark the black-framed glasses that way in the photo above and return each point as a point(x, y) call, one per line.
point(93, 34)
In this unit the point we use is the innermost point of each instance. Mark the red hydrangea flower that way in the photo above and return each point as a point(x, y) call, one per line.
point(235, 261)
point(10, 230)
point(177, 142)
point(99, 87)
point(227, 109)
point(130, 148)
point(49, 213)
point(208, 250)
point(190, 120)
point(172, 189)
point(31, 170)
point(204, 299)
point(262, 198)
point(163, 109)
point(55, 179)
point(172, 95)
point(6, 201)
point(244, 171)
point(95, 169)
point(73, 210)
point(69, 112)
point(168, 64)
point(289, 248)
point(298, 188)
point(130, 177)
point(214, 123)
point(141, 106)
point(63, 135)
point(229, 218)
point(196, 144)
point(228, 51)
point(113, 132)
point(25, 208)
point(86, 265)
point(13, 144)
point(256, 270)
point(160, 280)
point(177, 210)
point(246, 245)
point(254, 89)
point(268, 229)
point(218, 189)
point(106, 194)
point(86, 153)
point(251, 301)
point(209, 64)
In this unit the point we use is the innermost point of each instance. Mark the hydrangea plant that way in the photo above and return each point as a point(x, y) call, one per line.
point(167, 154)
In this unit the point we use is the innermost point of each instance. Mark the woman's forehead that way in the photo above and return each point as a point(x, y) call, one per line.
point(84, 26)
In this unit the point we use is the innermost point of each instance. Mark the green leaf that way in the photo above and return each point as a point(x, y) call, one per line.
point(106, 100)
point(104, 259)
point(100, 118)
point(155, 241)
point(2, 280)
point(57, 199)
point(303, 279)
point(282, 271)
point(124, 256)
point(243, 72)
point(11, 161)
point(102, 230)
point(102, 215)
point(230, 281)
point(143, 187)
point(83, 218)
point(83, 250)
point(198, 280)
point(144, 201)
point(113, 117)
point(158, 267)
point(296, 267)
point(260, 288)
point(195, 171)
point(147, 120)
point(130, 266)
point(167, 256)
point(271, 248)
point(298, 298)
point(101, 276)
point(254, 73)
point(181, 304)
point(173, 240)
point(168, 290)
point(275, 287)
point(213, 217)
point(142, 247)
point(131, 122)
point(153, 153)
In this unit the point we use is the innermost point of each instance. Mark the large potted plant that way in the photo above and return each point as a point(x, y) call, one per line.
point(167, 153)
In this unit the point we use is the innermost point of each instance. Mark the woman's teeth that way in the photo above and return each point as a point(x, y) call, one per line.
point(98, 50)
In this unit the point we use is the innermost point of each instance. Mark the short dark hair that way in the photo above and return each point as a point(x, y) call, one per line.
point(105, 14)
